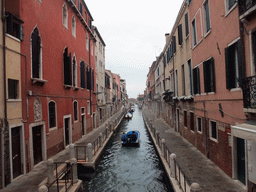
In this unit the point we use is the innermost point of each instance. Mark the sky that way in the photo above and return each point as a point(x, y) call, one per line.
point(134, 34)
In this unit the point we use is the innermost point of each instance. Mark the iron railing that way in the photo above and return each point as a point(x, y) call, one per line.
point(64, 175)
point(249, 92)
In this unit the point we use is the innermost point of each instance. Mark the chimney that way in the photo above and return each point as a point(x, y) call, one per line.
point(166, 36)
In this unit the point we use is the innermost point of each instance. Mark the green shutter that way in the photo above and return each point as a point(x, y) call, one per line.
point(213, 87)
point(240, 61)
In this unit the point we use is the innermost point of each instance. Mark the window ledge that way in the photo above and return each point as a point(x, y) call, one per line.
point(52, 128)
point(228, 11)
point(207, 33)
point(77, 88)
point(14, 100)
point(235, 89)
point(200, 132)
point(211, 93)
point(40, 81)
point(67, 86)
point(213, 139)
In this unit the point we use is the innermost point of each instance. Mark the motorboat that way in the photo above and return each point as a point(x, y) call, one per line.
point(128, 115)
point(132, 138)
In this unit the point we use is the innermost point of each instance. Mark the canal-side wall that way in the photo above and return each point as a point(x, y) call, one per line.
point(166, 166)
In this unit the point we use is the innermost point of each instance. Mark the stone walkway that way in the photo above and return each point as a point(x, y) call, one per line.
point(30, 181)
point(195, 165)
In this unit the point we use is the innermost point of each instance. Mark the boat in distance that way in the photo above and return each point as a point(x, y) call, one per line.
point(131, 138)
point(128, 115)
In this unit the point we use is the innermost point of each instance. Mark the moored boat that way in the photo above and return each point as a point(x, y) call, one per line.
point(128, 116)
point(132, 138)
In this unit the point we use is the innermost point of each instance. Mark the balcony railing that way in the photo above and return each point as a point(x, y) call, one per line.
point(245, 5)
point(249, 92)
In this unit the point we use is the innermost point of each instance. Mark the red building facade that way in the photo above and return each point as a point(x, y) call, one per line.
point(58, 81)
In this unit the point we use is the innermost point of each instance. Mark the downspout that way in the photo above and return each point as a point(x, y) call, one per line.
point(5, 123)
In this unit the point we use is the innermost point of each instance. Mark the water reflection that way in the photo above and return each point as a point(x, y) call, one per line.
point(124, 169)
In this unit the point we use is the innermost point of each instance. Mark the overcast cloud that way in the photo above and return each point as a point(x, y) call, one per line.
point(134, 34)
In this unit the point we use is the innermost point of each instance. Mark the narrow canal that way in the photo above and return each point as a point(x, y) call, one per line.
point(125, 169)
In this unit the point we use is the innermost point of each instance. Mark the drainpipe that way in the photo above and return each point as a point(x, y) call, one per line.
point(206, 133)
point(5, 123)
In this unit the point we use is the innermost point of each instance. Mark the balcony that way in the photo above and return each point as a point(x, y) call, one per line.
point(249, 93)
point(246, 8)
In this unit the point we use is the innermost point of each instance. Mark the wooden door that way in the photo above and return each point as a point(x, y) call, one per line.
point(16, 152)
point(37, 144)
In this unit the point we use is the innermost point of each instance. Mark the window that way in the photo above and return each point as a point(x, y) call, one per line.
point(176, 83)
point(172, 82)
point(206, 16)
point(183, 80)
point(14, 26)
point(88, 108)
point(253, 44)
point(234, 64)
point(92, 48)
point(196, 80)
point(36, 54)
point(190, 77)
point(209, 76)
point(213, 130)
point(89, 77)
point(65, 15)
point(85, 17)
point(52, 114)
point(194, 32)
point(67, 67)
point(82, 74)
point(73, 26)
point(192, 123)
point(13, 87)
point(92, 85)
point(90, 23)
point(230, 3)
point(199, 124)
point(74, 72)
point(87, 42)
point(174, 43)
point(185, 119)
point(186, 24)
point(75, 106)
point(180, 36)
point(80, 7)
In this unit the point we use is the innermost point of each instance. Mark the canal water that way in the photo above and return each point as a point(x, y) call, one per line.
point(129, 169)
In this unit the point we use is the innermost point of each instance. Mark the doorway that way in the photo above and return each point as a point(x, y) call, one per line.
point(240, 147)
point(16, 151)
point(37, 144)
point(67, 130)
point(178, 120)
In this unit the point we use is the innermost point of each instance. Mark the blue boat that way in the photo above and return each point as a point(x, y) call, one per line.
point(132, 138)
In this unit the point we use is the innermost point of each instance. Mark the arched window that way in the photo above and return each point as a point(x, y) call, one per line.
point(75, 106)
point(73, 26)
point(36, 54)
point(52, 114)
point(65, 15)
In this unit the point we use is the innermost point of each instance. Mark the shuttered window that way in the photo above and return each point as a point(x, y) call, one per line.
point(74, 72)
point(234, 65)
point(207, 16)
point(194, 32)
point(67, 68)
point(36, 50)
point(186, 24)
point(174, 43)
point(13, 87)
point(209, 76)
point(196, 80)
point(183, 80)
point(192, 123)
point(82, 74)
point(185, 119)
point(180, 36)
point(88, 74)
point(92, 85)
